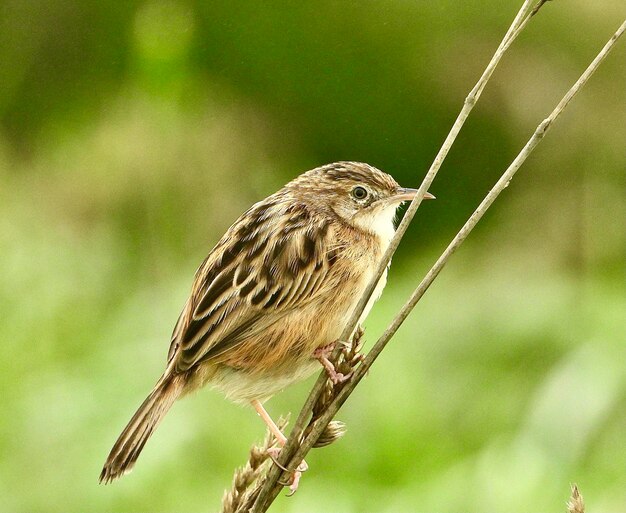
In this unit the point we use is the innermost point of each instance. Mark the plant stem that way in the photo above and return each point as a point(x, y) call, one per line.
point(520, 21)
point(270, 489)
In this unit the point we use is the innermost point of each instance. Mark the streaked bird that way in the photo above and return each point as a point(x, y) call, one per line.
point(270, 301)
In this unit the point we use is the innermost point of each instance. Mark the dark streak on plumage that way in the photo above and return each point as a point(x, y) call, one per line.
point(258, 298)
point(248, 287)
point(308, 248)
point(332, 256)
point(346, 171)
point(277, 251)
point(192, 331)
point(256, 250)
point(273, 298)
point(242, 274)
point(219, 286)
point(281, 240)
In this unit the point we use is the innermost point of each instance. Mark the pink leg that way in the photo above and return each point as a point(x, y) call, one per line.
point(322, 354)
point(282, 440)
point(278, 434)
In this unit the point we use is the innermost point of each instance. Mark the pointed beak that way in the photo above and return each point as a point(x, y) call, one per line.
point(406, 194)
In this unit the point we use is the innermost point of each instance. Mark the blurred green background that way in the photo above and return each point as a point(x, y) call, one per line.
point(132, 134)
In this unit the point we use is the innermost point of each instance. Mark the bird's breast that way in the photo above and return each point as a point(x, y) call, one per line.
point(283, 352)
point(359, 263)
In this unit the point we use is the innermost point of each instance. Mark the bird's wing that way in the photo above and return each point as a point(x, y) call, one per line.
point(264, 267)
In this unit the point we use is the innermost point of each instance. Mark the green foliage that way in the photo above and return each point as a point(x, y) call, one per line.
point(133, 134)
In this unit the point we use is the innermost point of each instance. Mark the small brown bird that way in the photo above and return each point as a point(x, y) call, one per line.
point(273, 296)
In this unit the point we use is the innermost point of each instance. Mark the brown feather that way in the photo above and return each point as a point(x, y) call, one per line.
point(279, 284)
point(132, 440)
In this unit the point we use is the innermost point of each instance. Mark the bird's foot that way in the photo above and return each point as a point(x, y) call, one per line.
point(294, 479)
point(322, 354)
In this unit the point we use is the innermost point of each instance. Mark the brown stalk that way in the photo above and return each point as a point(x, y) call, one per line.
point(521, 19)
point(297, 448)
point(418, 293)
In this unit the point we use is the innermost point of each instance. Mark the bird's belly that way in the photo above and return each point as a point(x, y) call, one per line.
point(280, 356)
point(283, 354)
point(242, 386)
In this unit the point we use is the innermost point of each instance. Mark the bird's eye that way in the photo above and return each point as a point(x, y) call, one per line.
point(359, 192)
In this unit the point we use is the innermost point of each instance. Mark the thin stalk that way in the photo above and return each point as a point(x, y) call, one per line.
point(518, 24)
point(265, 500)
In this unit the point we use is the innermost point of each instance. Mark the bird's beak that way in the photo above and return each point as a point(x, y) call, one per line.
point(406, 194)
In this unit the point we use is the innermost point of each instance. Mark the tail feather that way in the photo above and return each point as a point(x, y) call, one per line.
point(135, 435)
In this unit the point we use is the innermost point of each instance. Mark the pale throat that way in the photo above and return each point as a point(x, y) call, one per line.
point(379, 223)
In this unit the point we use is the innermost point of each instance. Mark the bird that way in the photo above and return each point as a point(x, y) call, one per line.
point(270, 301)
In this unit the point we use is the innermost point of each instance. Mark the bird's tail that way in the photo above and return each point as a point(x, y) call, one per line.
point(135, 435)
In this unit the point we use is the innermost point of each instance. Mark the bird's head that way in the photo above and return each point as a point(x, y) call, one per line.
point(358, 193)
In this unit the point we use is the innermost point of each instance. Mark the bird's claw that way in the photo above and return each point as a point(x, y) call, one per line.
point(322, 354)
point(294, 480)
point(338, 377)
point(273, 453)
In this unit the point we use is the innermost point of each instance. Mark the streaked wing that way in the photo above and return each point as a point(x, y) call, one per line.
point(272, 260)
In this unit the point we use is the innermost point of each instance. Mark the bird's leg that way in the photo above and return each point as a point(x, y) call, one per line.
point(282, 440)
point(322, 354)
point(278, 434)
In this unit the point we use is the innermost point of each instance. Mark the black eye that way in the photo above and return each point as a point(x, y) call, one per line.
point(359, 192)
